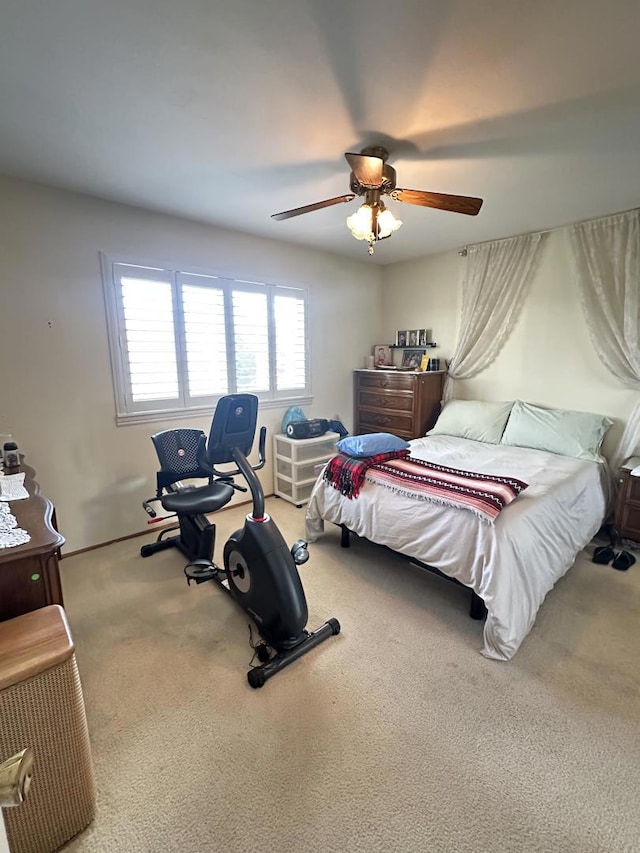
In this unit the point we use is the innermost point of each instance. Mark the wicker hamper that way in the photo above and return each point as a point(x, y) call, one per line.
point(41, 706)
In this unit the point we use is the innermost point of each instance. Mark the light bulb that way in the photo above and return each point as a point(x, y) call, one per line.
point(359, 223)
point(387, 224)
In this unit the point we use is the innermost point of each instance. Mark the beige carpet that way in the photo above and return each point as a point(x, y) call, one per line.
point(395, 736)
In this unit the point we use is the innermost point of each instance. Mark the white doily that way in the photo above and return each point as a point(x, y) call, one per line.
point(11, 538)
point(10, 534)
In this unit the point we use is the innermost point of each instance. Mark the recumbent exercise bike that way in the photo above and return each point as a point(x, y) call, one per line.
point(259, 569)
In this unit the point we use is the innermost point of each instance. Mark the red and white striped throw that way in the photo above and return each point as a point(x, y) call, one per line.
point(484, 494)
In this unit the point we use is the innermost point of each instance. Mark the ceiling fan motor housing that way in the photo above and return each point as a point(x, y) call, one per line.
point(388, 181)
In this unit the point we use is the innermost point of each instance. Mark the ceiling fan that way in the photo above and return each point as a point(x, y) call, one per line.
point(372, 178)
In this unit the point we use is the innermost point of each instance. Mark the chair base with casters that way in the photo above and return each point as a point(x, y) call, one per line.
point(260, 570)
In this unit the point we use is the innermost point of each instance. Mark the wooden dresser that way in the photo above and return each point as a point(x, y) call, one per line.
point(627, 516)
point(405, 404)
point(29, 576)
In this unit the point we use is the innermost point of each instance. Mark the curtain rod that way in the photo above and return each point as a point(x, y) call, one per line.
point(463, 251)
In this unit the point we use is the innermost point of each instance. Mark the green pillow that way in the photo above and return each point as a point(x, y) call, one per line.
point(476, 419)
point(561, 431)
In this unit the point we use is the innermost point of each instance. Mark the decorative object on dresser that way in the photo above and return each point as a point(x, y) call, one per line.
point(29, 575)
point(382, 355)
point(412, 358)
point(405, 404)
point(297, 463)
point(627, 516)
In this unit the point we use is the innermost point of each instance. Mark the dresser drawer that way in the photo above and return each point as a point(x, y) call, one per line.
point(385, 400)
point(389, 380)
point(630, 522)
point(632, 491)
point(371, 421)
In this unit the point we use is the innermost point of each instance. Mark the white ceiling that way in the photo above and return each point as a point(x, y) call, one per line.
point(230, 110)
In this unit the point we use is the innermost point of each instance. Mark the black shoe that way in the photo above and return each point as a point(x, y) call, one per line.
point(623, 561)
point(603, 555)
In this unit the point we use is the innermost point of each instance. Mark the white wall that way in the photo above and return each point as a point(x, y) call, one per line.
point(549, 358)
point(57, 395)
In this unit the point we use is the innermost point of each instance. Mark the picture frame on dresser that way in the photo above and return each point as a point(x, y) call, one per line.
point(382, 355)
point(412, 358)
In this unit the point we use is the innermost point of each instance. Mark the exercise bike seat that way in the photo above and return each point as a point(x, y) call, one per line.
point(192, 500)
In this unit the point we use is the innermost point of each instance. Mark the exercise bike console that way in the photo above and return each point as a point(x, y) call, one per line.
point(259, 568)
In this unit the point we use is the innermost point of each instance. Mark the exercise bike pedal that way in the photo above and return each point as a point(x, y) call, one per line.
point(200, 571)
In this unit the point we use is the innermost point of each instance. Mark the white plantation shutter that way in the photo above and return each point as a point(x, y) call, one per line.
point(205, 340)
point(251, 339)
point(149, 335)
point(179, 340)
point(291, 342)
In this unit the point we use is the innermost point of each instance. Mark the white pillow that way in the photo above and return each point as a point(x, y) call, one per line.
point(568, 433)
point(476, 419)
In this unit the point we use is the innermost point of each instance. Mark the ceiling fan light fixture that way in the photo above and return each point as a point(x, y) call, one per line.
point(387, 223)
point(360, 223)
point(372, 222)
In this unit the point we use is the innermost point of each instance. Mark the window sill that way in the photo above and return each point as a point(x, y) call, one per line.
point(133, 418)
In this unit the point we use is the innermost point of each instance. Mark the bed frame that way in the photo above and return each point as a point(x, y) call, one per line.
point(477, 608)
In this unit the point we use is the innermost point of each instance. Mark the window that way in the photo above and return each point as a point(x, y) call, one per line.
point(179, 340)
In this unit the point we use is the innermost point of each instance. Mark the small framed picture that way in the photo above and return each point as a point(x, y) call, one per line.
point(381, 355)
point(422, 337)
point(412, 340)
point(412, 358)
point(401, 339)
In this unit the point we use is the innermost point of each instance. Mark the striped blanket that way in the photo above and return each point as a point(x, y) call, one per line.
point(483, 494)
point(347, 473)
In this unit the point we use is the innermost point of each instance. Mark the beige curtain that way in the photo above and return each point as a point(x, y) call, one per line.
point(606, 260)
point(497, 279)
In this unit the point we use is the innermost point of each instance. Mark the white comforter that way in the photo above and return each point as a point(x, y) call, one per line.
point(511, 564)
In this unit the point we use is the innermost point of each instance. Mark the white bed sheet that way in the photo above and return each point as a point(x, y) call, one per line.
point(511, 564)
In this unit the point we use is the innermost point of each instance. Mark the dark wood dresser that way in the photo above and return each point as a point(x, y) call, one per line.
point(29, 575)
point(406, 404)
point(627, 516)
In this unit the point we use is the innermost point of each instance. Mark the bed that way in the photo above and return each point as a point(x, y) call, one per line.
point(510, 564)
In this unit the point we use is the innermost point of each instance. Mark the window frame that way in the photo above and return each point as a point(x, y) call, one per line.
point(130, 412)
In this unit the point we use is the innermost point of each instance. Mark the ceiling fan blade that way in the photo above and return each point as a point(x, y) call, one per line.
point(368, 170)
point(442, 201)
point(287, 214)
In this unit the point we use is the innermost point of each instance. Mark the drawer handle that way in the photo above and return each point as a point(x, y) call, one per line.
point(383, 421)
point(383, 383)
point(382, 401)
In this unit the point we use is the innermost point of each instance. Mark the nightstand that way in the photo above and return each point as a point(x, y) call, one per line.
point(627, 517)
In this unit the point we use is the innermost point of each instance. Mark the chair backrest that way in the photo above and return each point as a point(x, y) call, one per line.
point(177, 453)
point(233, 425)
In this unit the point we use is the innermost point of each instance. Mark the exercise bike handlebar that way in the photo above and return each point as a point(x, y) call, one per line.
point(248, 471)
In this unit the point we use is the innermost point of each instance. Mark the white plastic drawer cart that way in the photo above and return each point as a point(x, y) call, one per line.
point(297, 463)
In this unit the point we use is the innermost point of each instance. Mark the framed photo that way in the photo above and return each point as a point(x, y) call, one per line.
point(412, 358)
point(382, 355)
point(422, 337)
point(401, 339)
point(412, 340)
